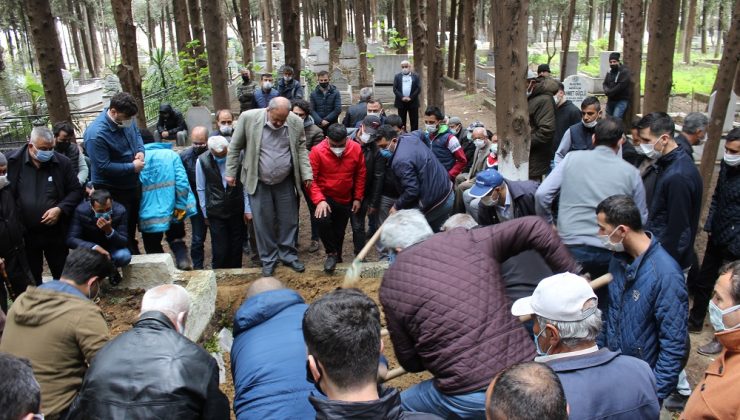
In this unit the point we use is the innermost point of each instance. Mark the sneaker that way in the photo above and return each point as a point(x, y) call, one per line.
point(314, 246)
point(711, 348)
point(675, 402)
point(330, 264)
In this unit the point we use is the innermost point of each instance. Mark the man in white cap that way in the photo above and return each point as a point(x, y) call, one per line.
point(567, 322)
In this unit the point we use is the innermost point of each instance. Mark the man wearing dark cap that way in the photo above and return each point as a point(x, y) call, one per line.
point(375, 173)
point(617, 87)
point(543, 70)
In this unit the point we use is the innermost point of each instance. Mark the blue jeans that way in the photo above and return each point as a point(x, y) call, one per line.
point(426, 398)
point(199, 229)
point(616, 108)
point(121, 257)
point(441, 213)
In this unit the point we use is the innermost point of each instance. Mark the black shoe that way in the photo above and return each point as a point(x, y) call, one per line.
point(675, 402)
point(115, 277)
point(711, 348)
point(695, 329)
point(296, 266)
point(330, 264)
point(268, 271)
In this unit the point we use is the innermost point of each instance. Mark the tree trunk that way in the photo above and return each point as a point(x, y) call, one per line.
point(150, 28)
point(682, 25)
point(75, 34)
point(128, 70)
point(291, 25)
point(196, 27)
point(90, 12)
point(435, 88)
point(451, 46)
point(216, 46)
point(720, 18)
point(690, 25)
point(591, 17)
point(460, 40)
point(162, 30)
point(565, 37)
point(182, 24)
point(469, 47)
point(633, 18)
point(87, 48)
point(306, 14)
point(360, 12)
point(402, 24)
point(509, 19)
point(613, 24)
point(267, 34)
point(170, 29)
point(247, 45)
point(662, 26)
point(729, 70)
point(704, 13)
point(334, 17)
point(418, 33)
point(104, 35)
point(49, 56)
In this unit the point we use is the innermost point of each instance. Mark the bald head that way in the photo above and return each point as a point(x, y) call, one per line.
point(280, 103)
point(170, 299)
point(264, 284)
point(200, 133)
point(277, 111)
point(526, 391)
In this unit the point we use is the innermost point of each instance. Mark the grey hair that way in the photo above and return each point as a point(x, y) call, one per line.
point(278, 102)
point(575, 333)
point(218, 143)
point(42, 133)
point(405, 228)
point(169, 299)
point(734, 269)
point(480, 130)
point(463, 220)
point(365, 94)
point(694, 121)
point(405, 62)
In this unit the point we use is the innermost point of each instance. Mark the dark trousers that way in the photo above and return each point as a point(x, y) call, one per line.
point(314, 227)
point(714, 257)
point(358, 228)
point(275, 210)
point(131, 200)
point(19, 276)
point(413, 115)
point(227, 239)
point(333, 226)
point(49, 244)
point(175, 239)
point(198, 238)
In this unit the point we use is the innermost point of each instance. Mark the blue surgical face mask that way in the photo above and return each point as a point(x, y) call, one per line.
point(105, 215)
point(220, 159)
point(44, 155)
point(716, 316)
point(386, 153)
point(540, 353)
point(392, 257)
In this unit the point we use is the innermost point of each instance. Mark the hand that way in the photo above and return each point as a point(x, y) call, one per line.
point(247, 218)
point(138, 165)
point(322, 210)
point(105, 225)
point(165, 134)
point(139, 156)
point(324, 123)
point(356, 206)
point(371, 211)
point(392, 210)
point(51, 216)
point(102, 251)
point(307, 183)
point(231, 181)
point(406, 99)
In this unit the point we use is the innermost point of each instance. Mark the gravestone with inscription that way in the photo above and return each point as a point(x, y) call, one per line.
point(576, 89)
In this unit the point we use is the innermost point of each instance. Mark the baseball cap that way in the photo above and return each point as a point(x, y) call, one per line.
point(543, 67)
point(485, 181)
point(454, 121)
point(371, 124)
point(559, 298)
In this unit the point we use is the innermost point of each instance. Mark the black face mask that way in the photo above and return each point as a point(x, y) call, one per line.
point(62, 147)
point(309, 376)
point(245, 79)
point(324, 85)
point(199, 150)
point(614, 66)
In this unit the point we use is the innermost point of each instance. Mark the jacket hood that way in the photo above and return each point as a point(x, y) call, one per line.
point(38, 306)
point(545, 86)
point(387, 407)
point(308, 122)
point(158, 146)
point(165, 109)
point(264, 306)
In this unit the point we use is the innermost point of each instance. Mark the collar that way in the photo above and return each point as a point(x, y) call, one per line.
point(155, 319)
point(589, 359)
point(549, 357)
point(60, 286)
point(632, 268)
point(386, 406)
point(667, 159)
point(730, 339)
point(508, 196)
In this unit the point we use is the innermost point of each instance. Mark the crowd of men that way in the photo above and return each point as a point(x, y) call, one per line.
point(486, 273)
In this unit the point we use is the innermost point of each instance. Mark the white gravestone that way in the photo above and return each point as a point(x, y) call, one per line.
point(576, 89)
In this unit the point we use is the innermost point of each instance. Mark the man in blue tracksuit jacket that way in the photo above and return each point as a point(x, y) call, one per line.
point(268, 357)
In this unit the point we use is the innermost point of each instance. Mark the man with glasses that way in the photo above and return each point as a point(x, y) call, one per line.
point(406, 88)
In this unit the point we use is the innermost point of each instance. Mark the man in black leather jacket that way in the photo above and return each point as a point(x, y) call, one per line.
point(153, 371)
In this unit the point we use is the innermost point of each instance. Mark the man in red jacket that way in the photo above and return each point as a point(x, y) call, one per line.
point(339, 184)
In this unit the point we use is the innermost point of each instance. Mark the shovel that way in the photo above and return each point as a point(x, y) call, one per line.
point(354, 271)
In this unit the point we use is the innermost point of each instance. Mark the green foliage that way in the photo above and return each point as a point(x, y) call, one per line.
point(310, 78)
point(211, 345)
point(537, 58)
point(162, 73)
point(35, 91)
point(395, 41)
point(195, 81)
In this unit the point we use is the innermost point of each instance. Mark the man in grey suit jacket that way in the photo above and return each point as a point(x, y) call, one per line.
point(274, 145)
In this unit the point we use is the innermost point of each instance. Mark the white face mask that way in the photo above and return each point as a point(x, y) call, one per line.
point(731, 160)
point(338, 151)
point(4, 181)
point(267, 85)
point(430, 128)
point(494, 148)
point(288, 78)
point(365, 137)
point(405, 70)
point(225, 129)
point(591, 124)
point(648, 149)
point(608, 244)
point(479, 143)
point(377, 114)
point(127, 123)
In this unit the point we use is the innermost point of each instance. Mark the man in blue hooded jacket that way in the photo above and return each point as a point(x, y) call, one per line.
point(268, 357)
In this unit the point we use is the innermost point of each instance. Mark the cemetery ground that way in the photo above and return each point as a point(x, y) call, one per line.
point(121, 307)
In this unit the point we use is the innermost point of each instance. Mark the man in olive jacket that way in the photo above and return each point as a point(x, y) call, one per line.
point(274, 145)
point(541, 108)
